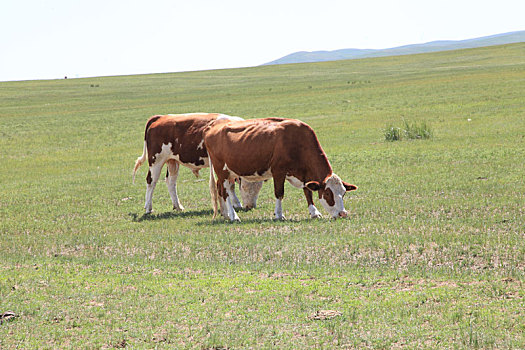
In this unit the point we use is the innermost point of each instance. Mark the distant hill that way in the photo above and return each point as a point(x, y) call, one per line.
point(433, 46)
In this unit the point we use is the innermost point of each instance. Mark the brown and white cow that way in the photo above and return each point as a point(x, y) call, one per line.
point(282, 149)
point(178, 139)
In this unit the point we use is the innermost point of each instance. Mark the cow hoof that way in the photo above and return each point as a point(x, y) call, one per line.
point(235, 219)
point(281, 218)
point(179, 208)
point(314, 213)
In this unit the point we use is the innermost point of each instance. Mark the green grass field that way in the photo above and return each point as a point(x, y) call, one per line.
point(432, 255)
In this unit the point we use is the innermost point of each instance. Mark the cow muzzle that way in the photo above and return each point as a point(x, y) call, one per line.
point(343, 214)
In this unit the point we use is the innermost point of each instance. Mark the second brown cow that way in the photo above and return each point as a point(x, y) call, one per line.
point(178, 139)
point(282, 149)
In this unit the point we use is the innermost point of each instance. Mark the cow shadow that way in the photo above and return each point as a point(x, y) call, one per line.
point(169, 215)
point(220, 221)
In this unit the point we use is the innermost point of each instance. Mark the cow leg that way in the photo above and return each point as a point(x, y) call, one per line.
point(314, 213)
point(171, 182)
point(223, 209)
point(151, 180)
point(229, 187)
point(224, 190)
point(222, 201)
point(235, 201)
point(278, 186)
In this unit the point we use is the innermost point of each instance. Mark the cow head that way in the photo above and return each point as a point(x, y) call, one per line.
point(249, 193)
point(331, 193)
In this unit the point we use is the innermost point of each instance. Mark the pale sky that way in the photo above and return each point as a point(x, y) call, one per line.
point(50, 39)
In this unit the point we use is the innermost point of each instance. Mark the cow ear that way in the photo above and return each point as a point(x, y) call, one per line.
point(349, 187)
point(312, 186)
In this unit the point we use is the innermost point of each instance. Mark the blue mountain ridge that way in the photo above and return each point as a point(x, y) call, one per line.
point(433, 46)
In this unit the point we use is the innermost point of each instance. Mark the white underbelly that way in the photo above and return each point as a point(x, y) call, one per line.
point(193, 166)
point(295, 182)
point(255, 178)
point(258, 177)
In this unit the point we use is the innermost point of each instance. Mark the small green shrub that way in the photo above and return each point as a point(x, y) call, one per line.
point(417, 131)
point(411, 131)
point(392, 133)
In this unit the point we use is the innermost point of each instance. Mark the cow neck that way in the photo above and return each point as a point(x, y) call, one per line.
point(319, 169)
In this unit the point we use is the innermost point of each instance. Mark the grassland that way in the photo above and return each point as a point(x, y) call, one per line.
point(433, 255)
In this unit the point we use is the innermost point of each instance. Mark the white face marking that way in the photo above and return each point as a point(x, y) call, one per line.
point(199, 146)
point(249, 187)
point(249, 193)
point(295, 181)
point(335, 184)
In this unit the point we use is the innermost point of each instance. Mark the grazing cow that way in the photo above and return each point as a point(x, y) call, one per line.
point(285, 149)
point(178, 139)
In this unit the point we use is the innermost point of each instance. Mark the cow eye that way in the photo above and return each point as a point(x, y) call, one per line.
point(328, 196)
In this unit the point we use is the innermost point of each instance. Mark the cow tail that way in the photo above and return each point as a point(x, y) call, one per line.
point(140, 160)
point(213, 191)
point(143, 157)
